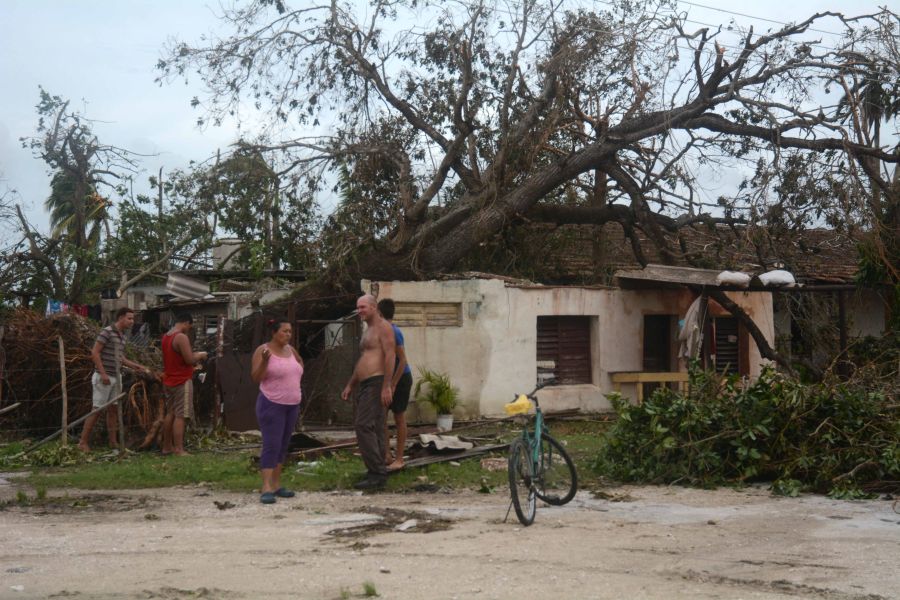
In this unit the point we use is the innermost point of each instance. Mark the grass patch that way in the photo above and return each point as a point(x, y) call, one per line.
point(54, 467)
point(224, 471)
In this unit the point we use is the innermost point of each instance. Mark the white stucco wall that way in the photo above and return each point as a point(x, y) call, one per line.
point(867, 314)
point(492, 356)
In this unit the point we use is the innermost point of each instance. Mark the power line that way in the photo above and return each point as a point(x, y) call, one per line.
point(731, 12)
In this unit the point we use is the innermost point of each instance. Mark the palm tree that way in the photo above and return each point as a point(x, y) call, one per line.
point(74, 212)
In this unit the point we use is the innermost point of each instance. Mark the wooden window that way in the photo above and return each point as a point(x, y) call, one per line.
point(211, 324)
point(728, 347)
point(428, 314)
point(564, 344)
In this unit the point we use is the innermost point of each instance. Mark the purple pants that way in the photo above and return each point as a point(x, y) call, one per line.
point(276, 423)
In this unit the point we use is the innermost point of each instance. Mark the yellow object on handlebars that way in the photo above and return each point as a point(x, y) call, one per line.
point(520, 407)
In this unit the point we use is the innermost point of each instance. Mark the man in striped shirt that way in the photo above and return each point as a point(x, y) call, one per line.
point(108, 356)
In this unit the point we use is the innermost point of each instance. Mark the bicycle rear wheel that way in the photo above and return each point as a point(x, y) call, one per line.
point(556, 481)
point(521, 484)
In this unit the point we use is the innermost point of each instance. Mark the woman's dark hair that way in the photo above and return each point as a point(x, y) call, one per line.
point(386, 308)
point(275, 325)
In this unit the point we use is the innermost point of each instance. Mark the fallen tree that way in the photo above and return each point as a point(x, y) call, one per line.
point(442, 138)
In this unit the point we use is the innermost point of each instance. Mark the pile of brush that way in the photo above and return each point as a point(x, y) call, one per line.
point(30, 375)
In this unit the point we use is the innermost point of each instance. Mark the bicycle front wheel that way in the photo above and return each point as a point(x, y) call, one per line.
point(521, 484)
point(556, 480)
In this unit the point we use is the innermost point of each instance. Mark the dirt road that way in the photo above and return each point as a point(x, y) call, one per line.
point(639, 542)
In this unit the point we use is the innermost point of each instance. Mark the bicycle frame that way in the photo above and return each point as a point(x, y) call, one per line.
point(533, 437)
point(537, 462)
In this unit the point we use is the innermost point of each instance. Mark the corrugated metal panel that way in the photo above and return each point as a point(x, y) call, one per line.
point(566, 341)
point(428, 314)
point(182, 286)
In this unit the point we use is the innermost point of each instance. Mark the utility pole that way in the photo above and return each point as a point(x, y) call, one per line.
point(159, 216)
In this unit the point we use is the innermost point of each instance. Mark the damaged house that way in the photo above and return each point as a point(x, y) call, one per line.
point(498, 336)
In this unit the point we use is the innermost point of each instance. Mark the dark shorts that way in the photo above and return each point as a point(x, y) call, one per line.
point(401, 394)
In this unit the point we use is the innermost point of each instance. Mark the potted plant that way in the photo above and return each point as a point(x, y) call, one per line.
point(435, 389)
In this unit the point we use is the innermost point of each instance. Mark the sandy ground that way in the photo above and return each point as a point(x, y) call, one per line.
point(638, 542)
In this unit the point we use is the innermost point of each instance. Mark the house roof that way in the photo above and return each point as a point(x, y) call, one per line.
point(653, 275)
point(813, 256)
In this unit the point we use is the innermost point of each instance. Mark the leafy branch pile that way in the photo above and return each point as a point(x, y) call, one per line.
point(836, 437)
point(32, 377)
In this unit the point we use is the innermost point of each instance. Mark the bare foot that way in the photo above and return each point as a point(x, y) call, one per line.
point(396, 465)
point(388, 459)
point(181, 453)
point(84, 447)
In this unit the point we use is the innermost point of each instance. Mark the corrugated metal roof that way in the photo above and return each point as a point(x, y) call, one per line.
point(182, 286)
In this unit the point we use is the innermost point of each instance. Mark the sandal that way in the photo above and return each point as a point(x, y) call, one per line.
point(267, 498)
point(284, 493)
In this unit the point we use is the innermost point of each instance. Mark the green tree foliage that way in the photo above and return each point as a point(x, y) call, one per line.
point(274, 216)
point(175, 232)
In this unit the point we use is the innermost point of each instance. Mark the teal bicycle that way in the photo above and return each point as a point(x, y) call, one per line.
point(539, 466)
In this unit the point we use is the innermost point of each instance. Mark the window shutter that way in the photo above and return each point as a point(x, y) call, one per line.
point(428, 314)
point(566, 342)
point(727, 346)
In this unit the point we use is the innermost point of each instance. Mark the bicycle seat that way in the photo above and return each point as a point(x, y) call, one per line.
point(520, 407)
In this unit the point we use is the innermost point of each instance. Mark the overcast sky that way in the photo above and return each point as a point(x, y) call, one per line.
point(100, 54)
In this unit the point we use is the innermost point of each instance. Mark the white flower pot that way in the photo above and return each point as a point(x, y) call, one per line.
point(444, 422)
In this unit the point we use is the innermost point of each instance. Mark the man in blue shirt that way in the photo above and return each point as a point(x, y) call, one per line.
point(402, 385)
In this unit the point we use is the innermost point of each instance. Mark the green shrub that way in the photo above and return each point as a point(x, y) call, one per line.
point(839, 437)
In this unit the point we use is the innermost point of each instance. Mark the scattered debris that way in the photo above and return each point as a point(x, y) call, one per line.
point(601, 495)
point(444, 442)
point(223, 505)
point(454, 456)
point(409, 524)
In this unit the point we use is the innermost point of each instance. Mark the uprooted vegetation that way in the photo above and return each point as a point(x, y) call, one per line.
point(840, 437)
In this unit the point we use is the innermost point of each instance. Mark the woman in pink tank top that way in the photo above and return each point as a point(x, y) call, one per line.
point(278, 369)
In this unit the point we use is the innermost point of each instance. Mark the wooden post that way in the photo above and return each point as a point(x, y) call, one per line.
point(121, 409)
point(65, 393)
point(220, 351)
point(704, 333)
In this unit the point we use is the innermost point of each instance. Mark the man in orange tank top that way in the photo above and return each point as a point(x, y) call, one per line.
point(178, 370)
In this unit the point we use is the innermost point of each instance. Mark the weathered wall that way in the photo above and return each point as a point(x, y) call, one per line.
point(492, 355)
point(867, 313)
